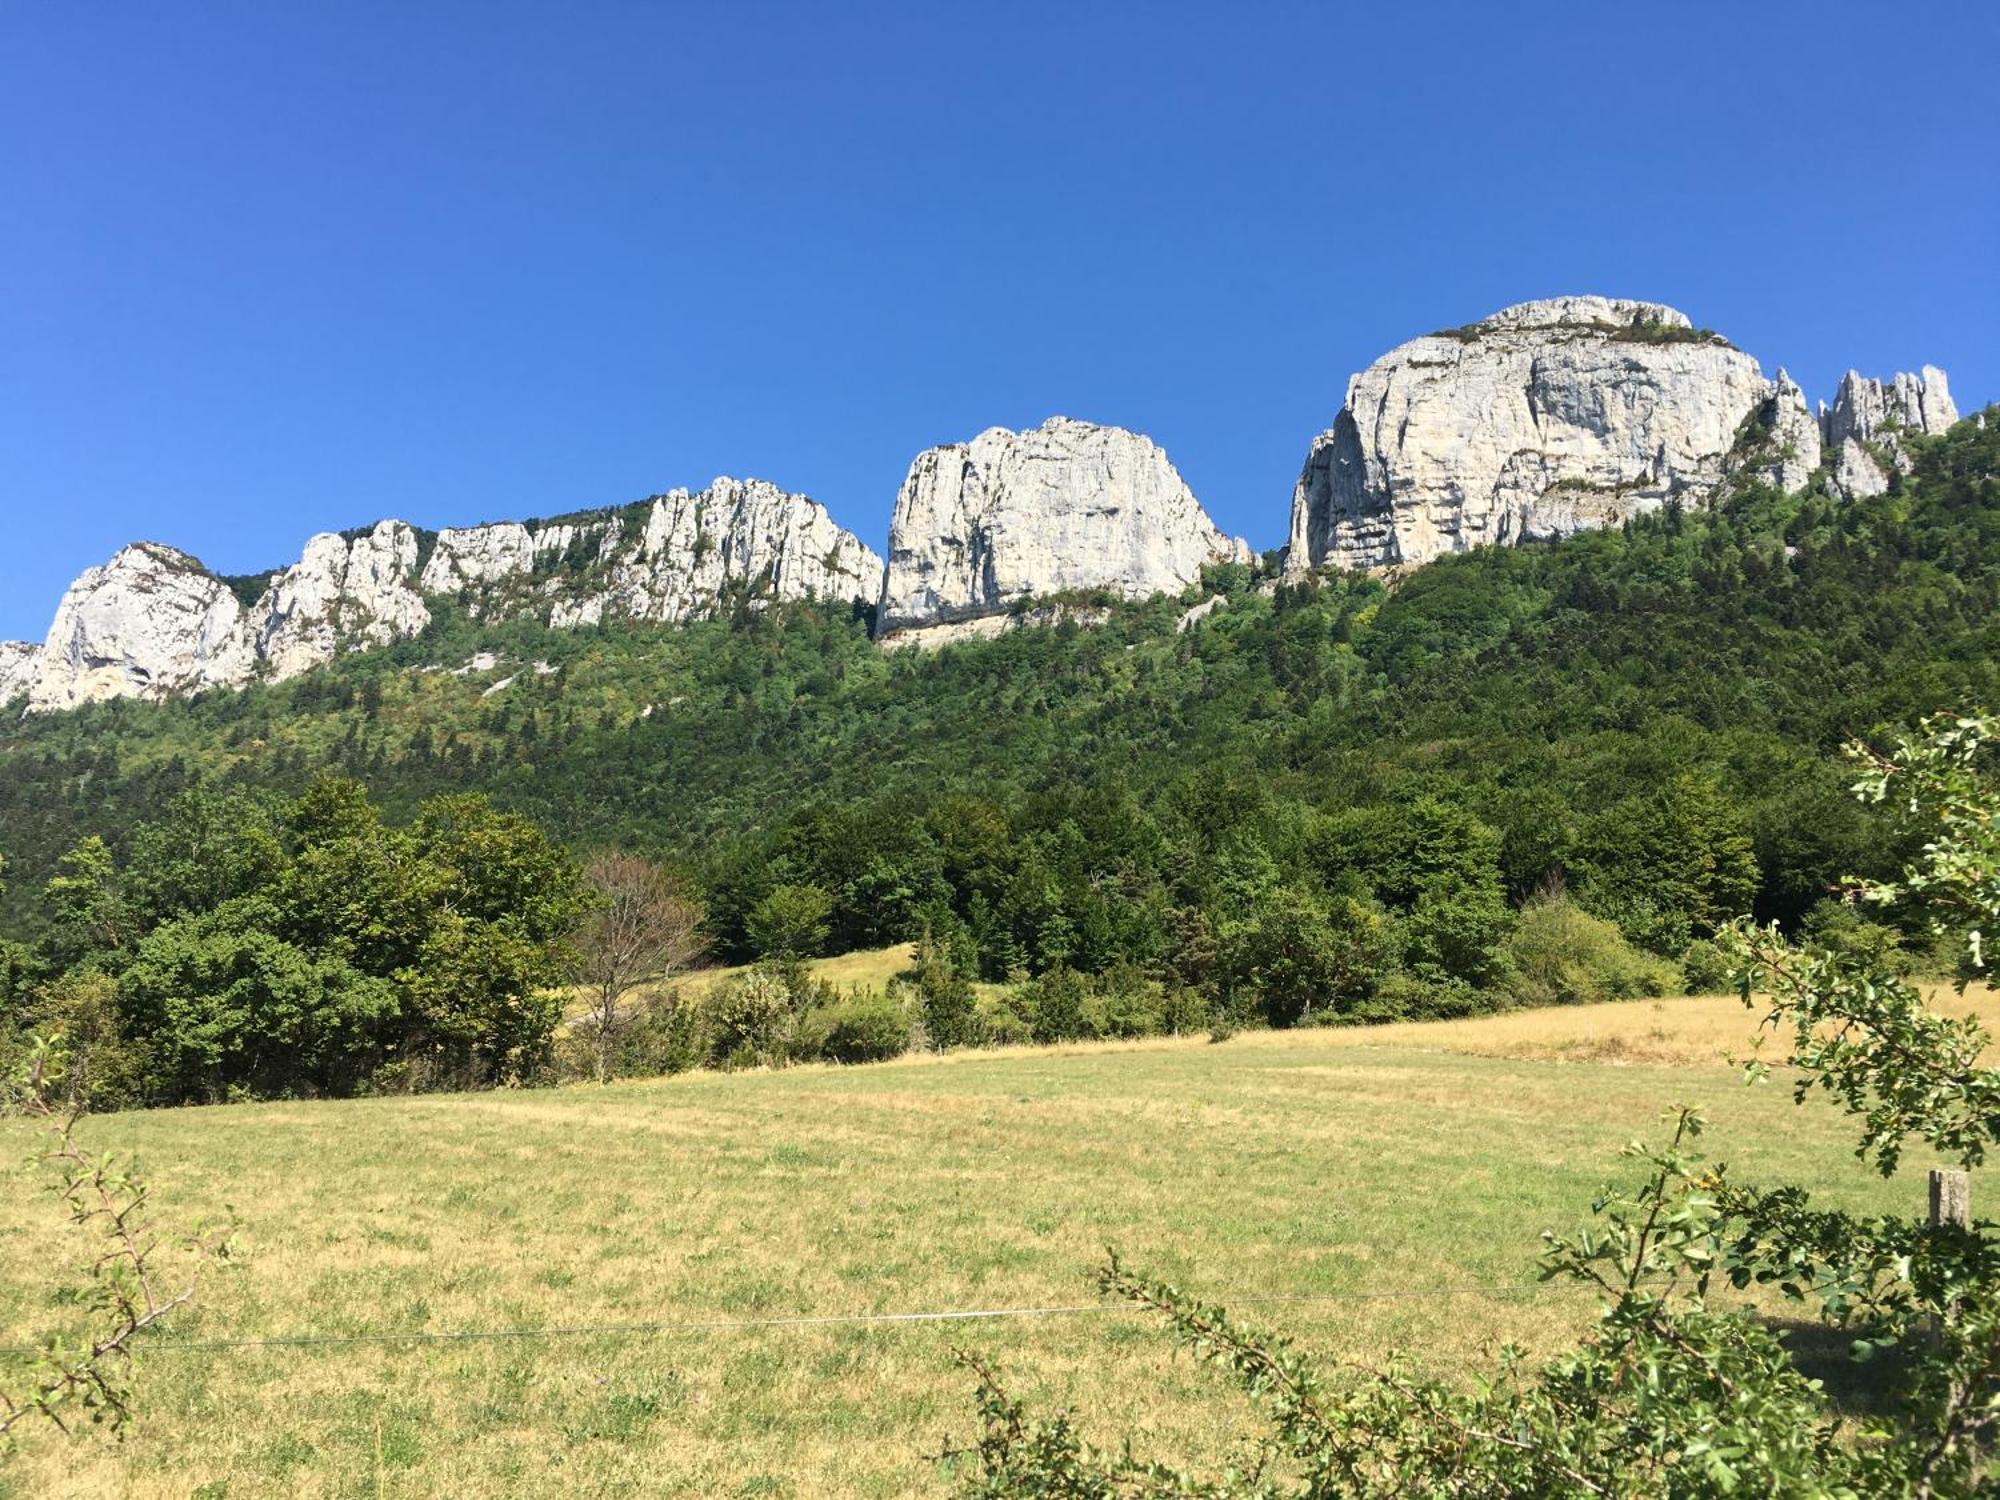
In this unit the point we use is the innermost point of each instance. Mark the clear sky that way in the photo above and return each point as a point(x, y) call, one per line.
point(269, 269)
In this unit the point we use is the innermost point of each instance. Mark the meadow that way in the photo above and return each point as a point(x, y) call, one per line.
point(1393, 1180)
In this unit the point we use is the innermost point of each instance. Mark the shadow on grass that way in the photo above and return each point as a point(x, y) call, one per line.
point(1822, 1352)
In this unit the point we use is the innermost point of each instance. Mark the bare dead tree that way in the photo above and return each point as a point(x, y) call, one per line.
point(646, 929)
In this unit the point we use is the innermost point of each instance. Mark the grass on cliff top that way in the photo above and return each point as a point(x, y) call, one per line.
point(1412, 1166)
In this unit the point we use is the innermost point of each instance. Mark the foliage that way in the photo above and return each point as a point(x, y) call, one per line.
point(245, 946)
point(1623, 709)
point(1559, 954)
point(91, 1373)
point(643, 928)
point(791, 922)
point(1676, 1394)
point(868, 1027)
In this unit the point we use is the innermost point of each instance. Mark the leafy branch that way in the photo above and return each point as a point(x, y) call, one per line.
point(92, 1375)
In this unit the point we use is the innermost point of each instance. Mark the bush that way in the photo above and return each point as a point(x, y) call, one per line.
point(867, 1027)
point(1058, 1006)
point(751, 1018)
point(1562, 955)
point(1839, 927)
point(1126, 1004)
point(668, 1034)
point(1704, 968)
point(1184, 1011)
point(950, 1011)
point(1424, 997)
point(1001, 1022)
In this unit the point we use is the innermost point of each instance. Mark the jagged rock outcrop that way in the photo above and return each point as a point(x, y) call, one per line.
point(154, 623)
point(1869, 419)
point(1065, 506)
point(151, 623)
point(1792, 446)
point(1543, 419)
point(344, 594)
point(18, 660)
point(672, 558)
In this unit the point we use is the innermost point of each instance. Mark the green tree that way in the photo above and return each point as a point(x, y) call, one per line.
point(791, 922)
point(1300, 954)
point(82, 905)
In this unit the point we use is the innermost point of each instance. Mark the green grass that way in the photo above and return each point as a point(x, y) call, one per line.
point(1291, 1164)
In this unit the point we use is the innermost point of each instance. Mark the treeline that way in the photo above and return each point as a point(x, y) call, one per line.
point(245, 946)
point(1638, 727)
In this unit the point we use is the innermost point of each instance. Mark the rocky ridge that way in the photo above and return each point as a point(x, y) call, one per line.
point(1553, 417)
point(1542, 419)
point(1063, 507)
point(153, 623)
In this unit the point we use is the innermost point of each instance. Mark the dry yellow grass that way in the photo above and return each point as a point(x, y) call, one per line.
point(1404, 1169)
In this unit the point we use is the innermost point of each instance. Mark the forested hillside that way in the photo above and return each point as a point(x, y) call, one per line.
point(1650, 717)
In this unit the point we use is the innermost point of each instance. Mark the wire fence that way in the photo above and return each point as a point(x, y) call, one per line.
point(389, 1336)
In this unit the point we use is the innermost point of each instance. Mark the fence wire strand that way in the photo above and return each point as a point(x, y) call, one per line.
point(735, 1325)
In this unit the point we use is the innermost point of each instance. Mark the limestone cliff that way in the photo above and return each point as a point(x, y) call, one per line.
point(1551, 417)
point(154, 623)
point(670, 558)
point(1065, 506)
point(1866, 427)
point(151, 623)
point(18, 660)
point(1543, 419)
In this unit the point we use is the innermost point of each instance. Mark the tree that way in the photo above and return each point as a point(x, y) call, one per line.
point(1299, 952)
point(644, 929)
point(791, 922)
point(83, 906)
point(1673, 1395)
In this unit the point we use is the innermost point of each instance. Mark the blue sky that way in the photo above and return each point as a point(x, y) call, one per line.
point(273, 269)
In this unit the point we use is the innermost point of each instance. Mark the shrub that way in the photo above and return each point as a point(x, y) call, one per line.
point(1058, 1006)
point(950, 1011)
point(867, 1027)
point(1299, 954)
point(1562, 955)
point(791, 922)
point(751, 1018)
point(1126, 1003)
point(667, 1034)
point(1704, 968)
point(1183, 1011)
point(1423, 997)
point(1001, 1022)
point(1839, 927)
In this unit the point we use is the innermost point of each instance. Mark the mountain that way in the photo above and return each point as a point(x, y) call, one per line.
point(1065, 507)
point(153, 623)
point(1564, 415)
point(1115, 793)
point(1540, 421)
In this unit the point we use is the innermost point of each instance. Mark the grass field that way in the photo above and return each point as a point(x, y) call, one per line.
point(1411, 1166)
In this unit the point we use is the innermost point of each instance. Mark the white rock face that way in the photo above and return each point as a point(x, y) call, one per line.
point(18, 660)
point(1067, 505)
point(1866, 425)
point(1865, 409)
point(1794, 436)
point(673, 560)
point(340, 596)
point(151, 623)
point(1856, 473)
point(1544, 419)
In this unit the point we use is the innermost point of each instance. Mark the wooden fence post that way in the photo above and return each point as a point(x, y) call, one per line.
point(1951, 1198)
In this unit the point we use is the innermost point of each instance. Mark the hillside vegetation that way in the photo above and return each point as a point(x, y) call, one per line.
point(1325, 797)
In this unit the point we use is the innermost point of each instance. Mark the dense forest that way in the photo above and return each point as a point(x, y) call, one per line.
point(1374, 776)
